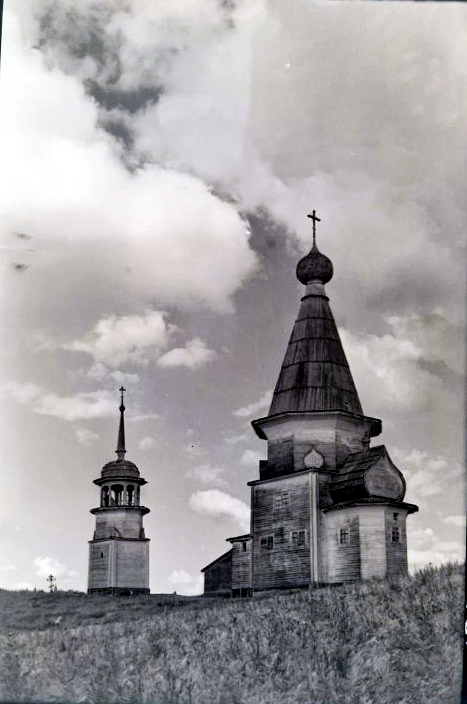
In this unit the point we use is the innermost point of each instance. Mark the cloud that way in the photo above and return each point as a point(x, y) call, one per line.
point(185, 583)
point(250, 458)
point(113, 202)
point(100, 372)
point(387, 372)
point(234, 439)
point(85, 436)
point(425, 546)
point(147, 443)
point(426, 474)
point(458, 521)
point(261, 142)
point(44, 566)
point(195, 354)
point(79, 406)
point(264, 142)
point(206, 474)
point(439, 338)
point(254, 407)
point(194, 448)
point(218, 504)
point(8, 568)
point(141, 417)
point(23, 393)
point(131, 338)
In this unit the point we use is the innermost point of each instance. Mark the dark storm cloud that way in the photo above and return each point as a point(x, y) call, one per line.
point(77, 35)
point(72, 36)
point(130, 101)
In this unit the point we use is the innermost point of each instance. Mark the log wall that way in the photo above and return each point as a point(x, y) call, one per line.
point(218, 577)
point(241, 565)
point(281, 508)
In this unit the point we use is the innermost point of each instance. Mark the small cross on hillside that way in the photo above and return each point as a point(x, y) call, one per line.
point(315, 219)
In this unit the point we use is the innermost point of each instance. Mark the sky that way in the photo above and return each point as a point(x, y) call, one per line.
point(157, 163)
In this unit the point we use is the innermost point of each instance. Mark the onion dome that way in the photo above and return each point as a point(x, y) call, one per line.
point(118, 468)
point(314, 266)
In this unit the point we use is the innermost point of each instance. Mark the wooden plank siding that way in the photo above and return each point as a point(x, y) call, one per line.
point(396, 551)
point(119, 563)
point(344, 558)
point(373, 541)
point(241, 565)
point(287, 564)
point(218, 576)
point(280, 458)
point(132, 569)
point(126, 522)
point(99, 565)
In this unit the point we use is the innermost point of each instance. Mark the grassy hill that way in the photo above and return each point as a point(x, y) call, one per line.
point(367, 643)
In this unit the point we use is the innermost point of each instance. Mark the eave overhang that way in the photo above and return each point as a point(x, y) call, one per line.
point(102, 509)
point(372, 500)
point(239, 538)
point(260, 423)
point(120, 477)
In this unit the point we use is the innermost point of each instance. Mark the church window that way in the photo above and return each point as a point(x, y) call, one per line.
point(395, 516)
point(130, 494)
point(344, 536)
point(281, 501)
point(395, 534)
point(244, 546)
point(267, 543)
point(299, 538)
point(102, 554)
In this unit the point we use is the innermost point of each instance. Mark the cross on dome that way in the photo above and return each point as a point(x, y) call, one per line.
point(315, 219)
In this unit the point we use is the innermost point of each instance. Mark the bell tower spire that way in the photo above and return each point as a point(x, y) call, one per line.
point(121, 451)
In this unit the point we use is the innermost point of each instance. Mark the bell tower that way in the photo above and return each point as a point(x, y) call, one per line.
point(119, 550)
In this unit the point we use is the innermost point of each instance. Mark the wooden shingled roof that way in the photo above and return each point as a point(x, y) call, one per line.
point(315, 375)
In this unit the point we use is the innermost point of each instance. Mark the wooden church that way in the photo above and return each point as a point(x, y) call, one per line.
point(327, 507)
point(119, 550)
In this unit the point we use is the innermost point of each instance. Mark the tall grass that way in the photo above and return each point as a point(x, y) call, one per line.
point(377, 641)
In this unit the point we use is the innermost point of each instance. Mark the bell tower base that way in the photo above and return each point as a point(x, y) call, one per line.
point(119, 566)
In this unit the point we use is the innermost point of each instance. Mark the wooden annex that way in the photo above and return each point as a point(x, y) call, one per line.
point(327, 507)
